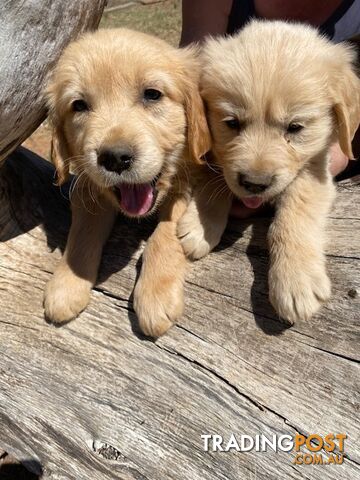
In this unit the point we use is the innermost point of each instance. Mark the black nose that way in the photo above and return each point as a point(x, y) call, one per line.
point(116, 160)
point(250, 186)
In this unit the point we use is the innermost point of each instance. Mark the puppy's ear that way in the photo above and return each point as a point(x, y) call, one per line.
point(59, 155)
point(345, 88)
point(199, 138)
point(59, 147)
point(198, 133)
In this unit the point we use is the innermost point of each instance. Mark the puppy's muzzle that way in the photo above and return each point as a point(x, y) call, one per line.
point(117, 159)
point(251, 185)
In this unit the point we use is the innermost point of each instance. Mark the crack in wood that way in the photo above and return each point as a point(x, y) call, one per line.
point(96, 379)
point(215, 374)
point(257, 404)
point(335, 354)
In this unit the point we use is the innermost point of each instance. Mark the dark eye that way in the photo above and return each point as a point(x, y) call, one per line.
point(80, 106)
point(151, 94)
point(233, 123)
point(294, 127)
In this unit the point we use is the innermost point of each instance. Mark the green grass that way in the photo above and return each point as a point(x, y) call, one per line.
point(160, 19)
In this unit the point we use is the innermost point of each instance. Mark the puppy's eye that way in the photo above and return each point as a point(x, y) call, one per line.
point(233, 123)
point(294, 127)
point(151, 94)
point(80, 106)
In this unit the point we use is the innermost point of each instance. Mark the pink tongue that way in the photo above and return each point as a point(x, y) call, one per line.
point(136, 199)
point(252, 202)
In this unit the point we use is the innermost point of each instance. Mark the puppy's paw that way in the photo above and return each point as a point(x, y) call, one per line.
point(65, 297)
point(298, 291)
point(197, 237)
point(192, 238)
point(158, 306)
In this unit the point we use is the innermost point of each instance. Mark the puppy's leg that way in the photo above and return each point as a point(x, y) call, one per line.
point(203, 223)
point(298, 283)
point(68, 291)
point(159, 292)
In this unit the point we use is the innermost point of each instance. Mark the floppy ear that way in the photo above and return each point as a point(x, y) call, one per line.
point(59, 147)
point(346, 98)
point(198, 133)
point(59, 155)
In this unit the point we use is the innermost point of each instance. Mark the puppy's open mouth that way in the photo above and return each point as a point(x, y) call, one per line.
point(136, 199)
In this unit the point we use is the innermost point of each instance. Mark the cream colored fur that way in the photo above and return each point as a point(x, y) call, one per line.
point(110, 70)
point(268, 78)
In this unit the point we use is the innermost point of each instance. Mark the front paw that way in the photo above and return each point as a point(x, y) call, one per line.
point(197, 237)
point(297, 291)
point(65, 297)
point(158, 305)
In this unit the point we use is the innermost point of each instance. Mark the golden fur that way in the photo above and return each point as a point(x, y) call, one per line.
point(98, 103)
point(278, 95)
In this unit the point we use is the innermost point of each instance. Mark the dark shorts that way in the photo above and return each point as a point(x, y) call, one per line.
point(343, 24)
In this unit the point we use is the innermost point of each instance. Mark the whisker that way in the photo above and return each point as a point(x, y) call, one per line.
point(212, 182)
point(217, 193)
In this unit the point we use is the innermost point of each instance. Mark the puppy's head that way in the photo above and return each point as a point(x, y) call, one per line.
point(124, 106)
point(278, 95)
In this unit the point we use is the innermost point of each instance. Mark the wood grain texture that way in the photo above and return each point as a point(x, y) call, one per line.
point(94, 400)
point(32, 36)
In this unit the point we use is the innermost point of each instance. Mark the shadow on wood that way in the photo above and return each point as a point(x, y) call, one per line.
point(28, 188)
point(30, 198)
point(91, 400)
point(17, 471)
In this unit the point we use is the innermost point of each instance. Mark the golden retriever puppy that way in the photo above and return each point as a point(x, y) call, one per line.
point(278, 95)
point(128, 119)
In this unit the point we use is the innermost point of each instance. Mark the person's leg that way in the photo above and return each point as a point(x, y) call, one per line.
point(202, 18)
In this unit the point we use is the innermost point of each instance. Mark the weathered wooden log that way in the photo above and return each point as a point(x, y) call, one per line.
point(32, 36)
point(93, 400)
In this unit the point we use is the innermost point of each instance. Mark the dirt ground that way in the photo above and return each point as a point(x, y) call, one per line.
point(162, 19)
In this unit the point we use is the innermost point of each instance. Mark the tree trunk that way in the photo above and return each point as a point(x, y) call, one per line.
point(33, 33)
